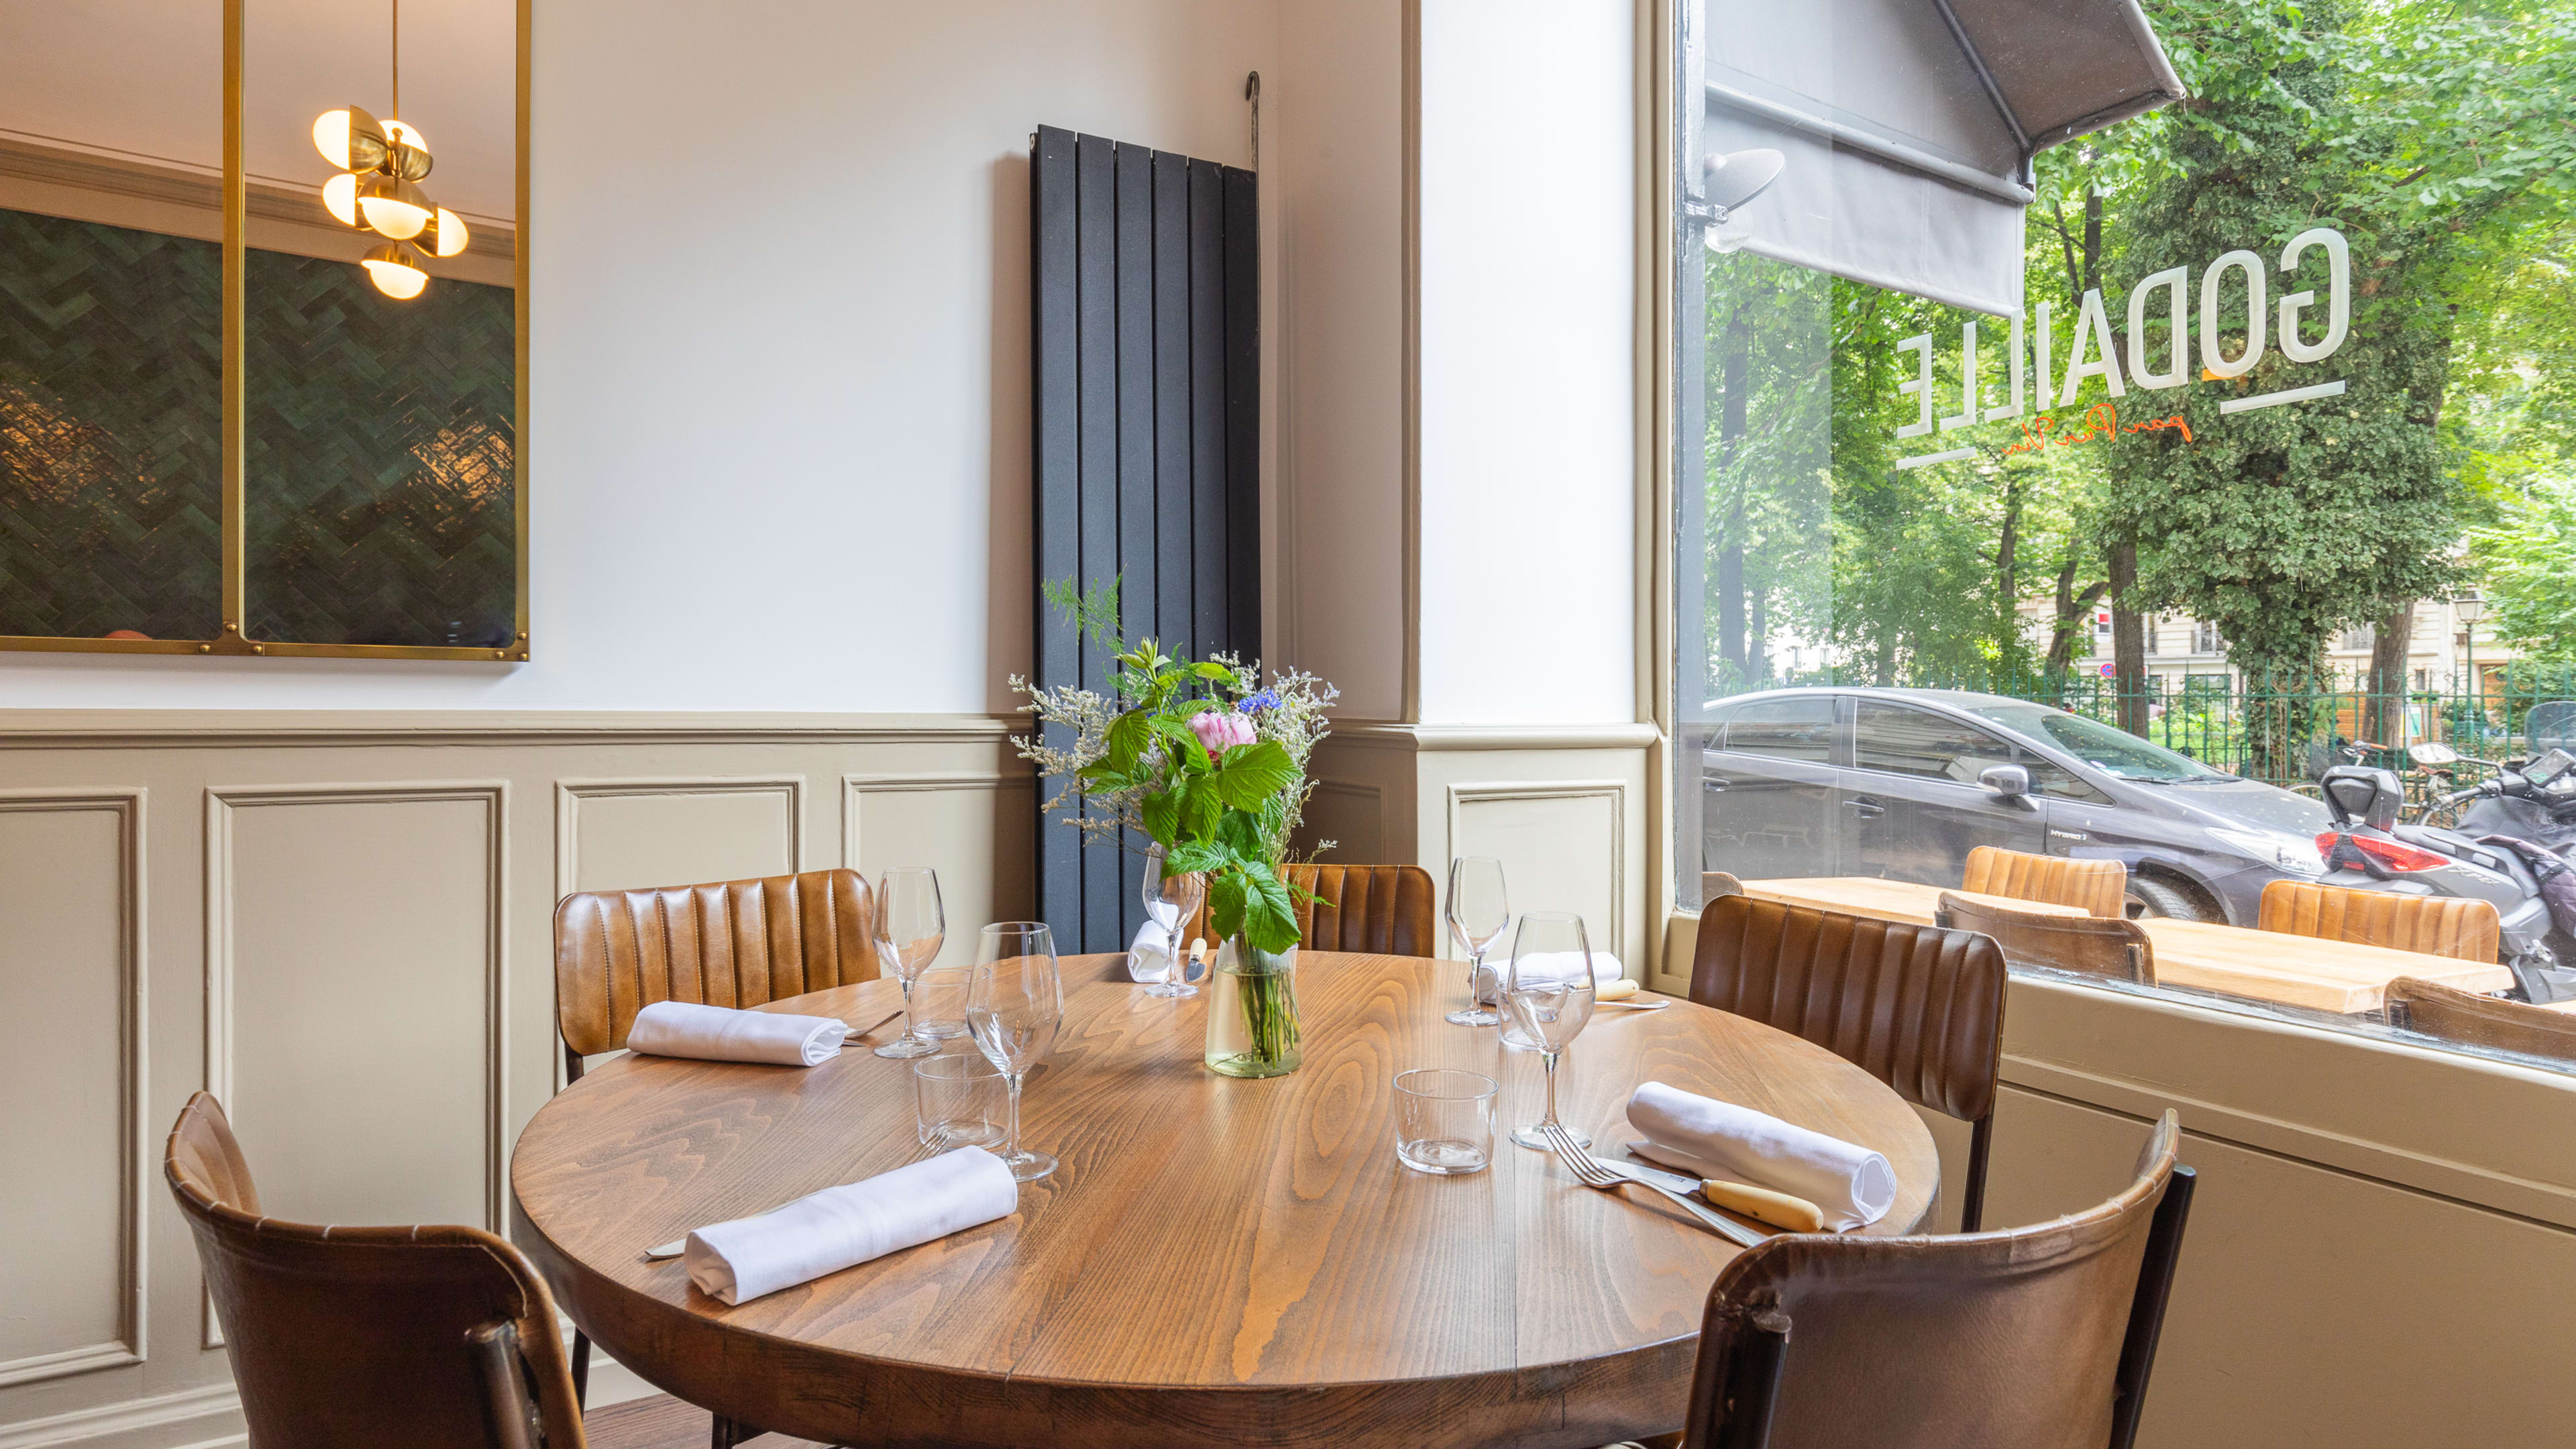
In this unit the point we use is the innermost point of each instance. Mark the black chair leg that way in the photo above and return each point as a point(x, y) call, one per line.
point(2147, 1309)
point(580, 1369)
point(1972, 1202)
point(724, 1436)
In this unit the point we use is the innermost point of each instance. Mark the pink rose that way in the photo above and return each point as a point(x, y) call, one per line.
point(1217, 729)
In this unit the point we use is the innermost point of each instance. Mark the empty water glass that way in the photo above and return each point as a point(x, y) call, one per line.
point(939, 1002)
point(1444, 1120)
point(960, 1094)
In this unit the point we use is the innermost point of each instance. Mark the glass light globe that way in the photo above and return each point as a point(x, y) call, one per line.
point(395, 208)
point(340, 196)
point(395, 269)
point(449, 236)
point(350, 139)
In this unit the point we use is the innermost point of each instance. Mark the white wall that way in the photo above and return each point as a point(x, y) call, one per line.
point(779, 442)
point(1340, 97)
point(1528, 372)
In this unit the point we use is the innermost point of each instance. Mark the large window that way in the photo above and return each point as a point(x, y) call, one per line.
point(1986, 370)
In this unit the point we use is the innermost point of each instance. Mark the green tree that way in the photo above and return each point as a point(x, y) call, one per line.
point(2528, 560)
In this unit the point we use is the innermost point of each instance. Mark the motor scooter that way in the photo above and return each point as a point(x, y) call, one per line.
point(2368, 848)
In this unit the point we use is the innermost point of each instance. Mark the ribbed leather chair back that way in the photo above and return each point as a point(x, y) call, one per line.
point(734, 943)
point(2090, 945)
point(2451, 926)
point(1917, 1007)
point(2471, 1020)
point(399, 1337)
point(2030, 1338)
point(1384, 910)
point(2096, 887)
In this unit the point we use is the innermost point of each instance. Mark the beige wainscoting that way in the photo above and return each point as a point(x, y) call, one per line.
point(1562, 806)
point(2382, 1254)
point(343, 925)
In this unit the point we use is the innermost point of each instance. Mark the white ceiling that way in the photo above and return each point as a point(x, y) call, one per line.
point(143, 79)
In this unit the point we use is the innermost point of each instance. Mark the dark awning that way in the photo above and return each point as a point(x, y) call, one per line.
point(1908, 125)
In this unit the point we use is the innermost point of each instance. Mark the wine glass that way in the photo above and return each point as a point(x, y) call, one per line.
point(1479, 912)
point(1013, 1008)
point(1170, 902)
point(909, 930)
point(1549, 990)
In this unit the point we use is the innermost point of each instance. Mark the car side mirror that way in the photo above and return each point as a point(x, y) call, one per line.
point(2008, 781)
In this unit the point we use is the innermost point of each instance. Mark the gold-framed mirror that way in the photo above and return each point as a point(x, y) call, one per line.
point(253, 400)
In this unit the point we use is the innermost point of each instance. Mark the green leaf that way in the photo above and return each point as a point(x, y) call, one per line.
point(1254, 773)
point(1270, 916)
point(1190, 857)
point(1239, 833)
point(1161, 813)
point(1127, 736)
point(1212, 670)
point(1226, 896)
point(1202, 814)
point(1101, 773)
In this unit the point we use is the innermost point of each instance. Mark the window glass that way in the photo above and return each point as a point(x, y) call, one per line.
point(1790, 729)
point(1903, 741)
point(2179, 461)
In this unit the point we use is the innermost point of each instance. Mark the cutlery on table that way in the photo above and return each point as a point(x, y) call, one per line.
point(1634, 1005)
point(859, 1031)
point(1764, 1205)
point(1592, 1172)
point(940, 1141)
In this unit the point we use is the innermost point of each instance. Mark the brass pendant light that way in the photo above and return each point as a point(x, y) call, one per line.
point(382, 164)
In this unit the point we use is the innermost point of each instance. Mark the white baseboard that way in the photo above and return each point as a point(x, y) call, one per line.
point(203, 1418)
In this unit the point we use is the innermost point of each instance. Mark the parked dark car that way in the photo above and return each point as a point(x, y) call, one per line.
point(1903, 783)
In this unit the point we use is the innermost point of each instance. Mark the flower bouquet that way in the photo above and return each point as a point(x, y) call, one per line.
point(1206, 761)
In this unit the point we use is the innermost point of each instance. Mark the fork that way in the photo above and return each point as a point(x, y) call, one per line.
point(940, 1141)
point(1588, 1170)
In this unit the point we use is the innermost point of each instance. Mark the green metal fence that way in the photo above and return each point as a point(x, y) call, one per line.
point(2289, 731)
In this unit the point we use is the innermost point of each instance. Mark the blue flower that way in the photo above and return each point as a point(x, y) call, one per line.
point(1256, 703)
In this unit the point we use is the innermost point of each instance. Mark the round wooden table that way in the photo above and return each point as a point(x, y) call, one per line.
point(1217, 1261)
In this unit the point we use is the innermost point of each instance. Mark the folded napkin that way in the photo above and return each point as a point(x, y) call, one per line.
point(1851, 1185)
point(1147, 958)
point(1489, 979)
point(722, 1034)
point(841, 1227)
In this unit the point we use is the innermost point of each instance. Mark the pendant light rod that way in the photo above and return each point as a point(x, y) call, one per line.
point(397, 49)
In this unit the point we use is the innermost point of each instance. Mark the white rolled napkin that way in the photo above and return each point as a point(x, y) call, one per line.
point(1851, 1185)
point(1489, 978)
point(723, 1034)
point(841, 1227)
point(1147, 958)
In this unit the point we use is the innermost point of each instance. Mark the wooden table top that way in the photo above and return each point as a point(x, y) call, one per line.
point(2304, 971)
point(1216, 1260)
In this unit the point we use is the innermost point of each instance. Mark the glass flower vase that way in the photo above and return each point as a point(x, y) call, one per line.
point(1252, 1012)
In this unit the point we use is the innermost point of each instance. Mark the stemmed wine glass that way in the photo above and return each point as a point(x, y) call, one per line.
point(1171, 901)
point(1478, 914)
point(1014, 1007)
point(1550, 991)
point(910, 928)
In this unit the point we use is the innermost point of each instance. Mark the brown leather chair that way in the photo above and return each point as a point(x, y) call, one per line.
point(1384, 910)
point(369, 1338)
point(2030, 1338)
point(2451, 926)
point(2097, 887)
point(1918, 1007)
point(733, 943)
point(2090, 945)
point(1715, 883)
point(2483, 1021)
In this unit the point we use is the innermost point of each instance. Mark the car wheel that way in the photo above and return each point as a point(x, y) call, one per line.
point(2151, 897)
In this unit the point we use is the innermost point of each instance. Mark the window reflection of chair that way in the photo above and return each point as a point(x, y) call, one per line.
point(2464, 930)
point(1716, 883)
point(1918, 1007)
point(2098, 887)
point(2086, 945)
point(2481, 1021)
